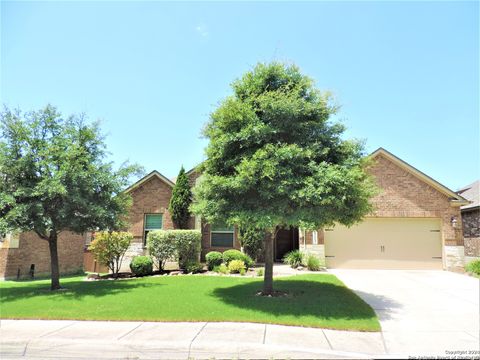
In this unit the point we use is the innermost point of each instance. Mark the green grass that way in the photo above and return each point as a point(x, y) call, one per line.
point(313, 300)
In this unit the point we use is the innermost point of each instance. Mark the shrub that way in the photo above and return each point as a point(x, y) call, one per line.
point(293, 258)
point(243, 272)
point(252, 241)
point(313, 263)
point(236, 266)
point(473, 267)
point(193, 267)
point(108, 248)
point(260, 272)
point(188, 244)
point(161, 247)
point(141, 265)
point(221, 269)
point(230, 255)
point(213, 258)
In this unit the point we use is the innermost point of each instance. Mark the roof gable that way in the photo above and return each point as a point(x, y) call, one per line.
point(453, 196)
point(146, 178)
point(472, 193)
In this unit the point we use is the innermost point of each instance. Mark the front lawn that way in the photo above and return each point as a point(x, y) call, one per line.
point(313, 300)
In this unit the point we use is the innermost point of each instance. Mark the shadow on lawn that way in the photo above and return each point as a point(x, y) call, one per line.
point(73, 289)
point(305, 298)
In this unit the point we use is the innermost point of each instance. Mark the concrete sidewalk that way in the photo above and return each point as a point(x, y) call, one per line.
point(155, 340)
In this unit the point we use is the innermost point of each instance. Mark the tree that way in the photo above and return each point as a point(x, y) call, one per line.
point(180, 201)
point(275, 159)
point(109, 248)
point(161, 247)
point(54, 178)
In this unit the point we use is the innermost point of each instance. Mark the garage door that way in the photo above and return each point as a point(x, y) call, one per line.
point(388, 243)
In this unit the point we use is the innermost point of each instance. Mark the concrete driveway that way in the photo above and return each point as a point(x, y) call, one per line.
point(421, 312)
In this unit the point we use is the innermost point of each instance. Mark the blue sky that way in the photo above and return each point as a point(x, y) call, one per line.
point(406, 74)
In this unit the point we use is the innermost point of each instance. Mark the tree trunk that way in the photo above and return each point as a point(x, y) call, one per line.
point(268, 274)
point(52, 244)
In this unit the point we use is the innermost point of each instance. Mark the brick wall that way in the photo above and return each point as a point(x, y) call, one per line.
point(34, 250)
point(152, 197)
point(404, 195)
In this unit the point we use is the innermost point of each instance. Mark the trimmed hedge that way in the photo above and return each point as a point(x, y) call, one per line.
point(213, 258)
point(141, 265)
point(230, 255)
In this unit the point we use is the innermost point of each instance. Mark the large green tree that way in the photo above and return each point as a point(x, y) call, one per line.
point(54, 177)
point(275, 159)
point(181, 200)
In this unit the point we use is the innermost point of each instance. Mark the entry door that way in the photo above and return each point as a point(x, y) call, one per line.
point(385, 243)
point(285, 242)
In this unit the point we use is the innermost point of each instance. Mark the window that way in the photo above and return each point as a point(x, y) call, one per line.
point(315, 237)
point(152, 222)
point(221, 236)
point(9, 240)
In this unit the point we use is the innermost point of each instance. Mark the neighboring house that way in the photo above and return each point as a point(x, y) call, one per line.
point(471, 220)
point(24, 252)
point(416, 223)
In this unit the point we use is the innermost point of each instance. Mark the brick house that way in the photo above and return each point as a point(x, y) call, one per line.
point(416, 223)
point(21, 253)
point(471, 220)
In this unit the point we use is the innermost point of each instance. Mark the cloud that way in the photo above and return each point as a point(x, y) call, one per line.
point(202, 30)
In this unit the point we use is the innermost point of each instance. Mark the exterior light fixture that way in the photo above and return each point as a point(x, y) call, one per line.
point(453, 221)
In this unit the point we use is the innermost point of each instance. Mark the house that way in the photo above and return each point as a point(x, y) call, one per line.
point(471, 220)
point(25, 254)
point(416, 223)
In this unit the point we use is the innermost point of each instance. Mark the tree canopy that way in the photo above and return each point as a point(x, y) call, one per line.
point(276, 158)
point(54, 177)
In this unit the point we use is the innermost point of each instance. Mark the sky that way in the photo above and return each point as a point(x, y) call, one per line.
point(406, 74)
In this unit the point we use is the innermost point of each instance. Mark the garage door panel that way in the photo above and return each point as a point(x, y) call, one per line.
point(377, 243)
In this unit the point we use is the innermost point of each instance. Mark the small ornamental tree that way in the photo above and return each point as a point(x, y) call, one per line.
point(180, 201)
point(275, 159)
point(109, 248)
point(54, 177)
point(161, 247)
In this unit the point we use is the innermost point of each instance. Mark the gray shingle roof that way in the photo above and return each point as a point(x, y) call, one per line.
point(472, 193)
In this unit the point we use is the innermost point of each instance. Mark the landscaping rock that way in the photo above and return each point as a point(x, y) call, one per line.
point(93, 277)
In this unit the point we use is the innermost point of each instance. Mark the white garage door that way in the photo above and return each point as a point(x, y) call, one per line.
point(385, 243)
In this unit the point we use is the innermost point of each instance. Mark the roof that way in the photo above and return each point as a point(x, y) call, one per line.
point(471, 192)
point(143, 180)
point(455, 198)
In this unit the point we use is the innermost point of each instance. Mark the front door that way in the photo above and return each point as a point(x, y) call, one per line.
point(286, 241)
